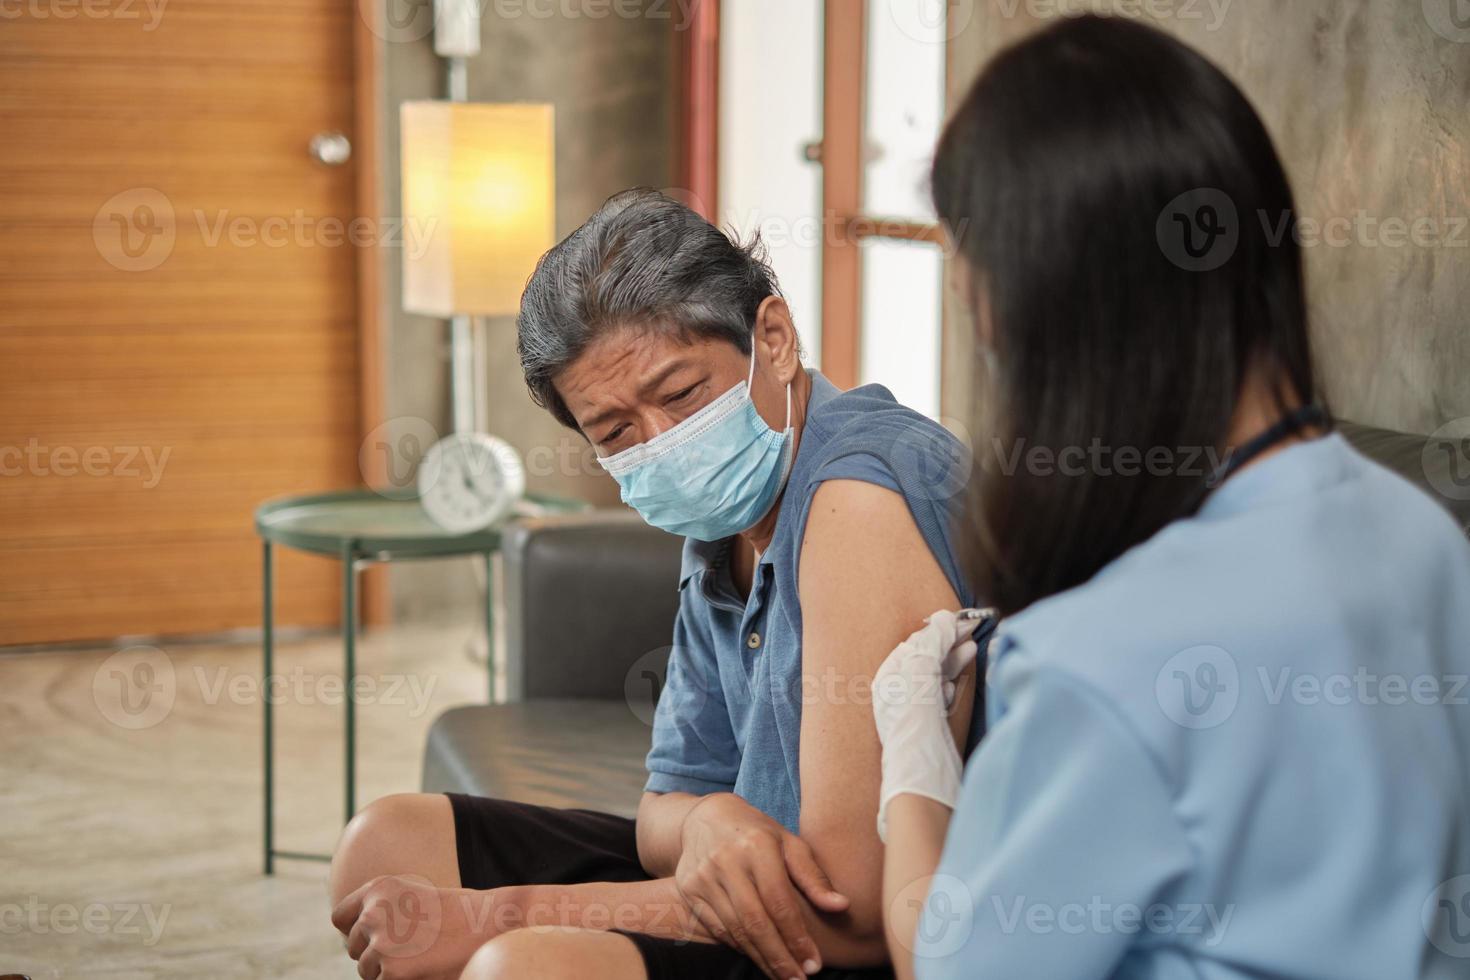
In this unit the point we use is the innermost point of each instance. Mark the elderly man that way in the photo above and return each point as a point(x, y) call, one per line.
point(819, 537)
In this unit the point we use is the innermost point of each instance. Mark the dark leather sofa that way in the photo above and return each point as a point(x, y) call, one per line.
point(590, 603)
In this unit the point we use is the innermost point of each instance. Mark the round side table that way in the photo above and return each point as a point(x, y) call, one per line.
point(361, 526)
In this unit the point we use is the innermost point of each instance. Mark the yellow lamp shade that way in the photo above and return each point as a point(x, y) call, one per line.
point(478, 204)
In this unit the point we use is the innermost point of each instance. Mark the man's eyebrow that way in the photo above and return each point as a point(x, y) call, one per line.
point(653, 382)
point(662, 375)
point(598, 419)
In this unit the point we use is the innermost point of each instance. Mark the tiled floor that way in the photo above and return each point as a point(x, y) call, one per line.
point(130, 799)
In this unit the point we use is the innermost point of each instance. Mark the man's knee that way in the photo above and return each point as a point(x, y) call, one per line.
point(393, 835)
point(555, 954)
point(511, 954)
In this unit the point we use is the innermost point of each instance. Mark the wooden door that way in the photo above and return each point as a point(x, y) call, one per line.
point(178, 324)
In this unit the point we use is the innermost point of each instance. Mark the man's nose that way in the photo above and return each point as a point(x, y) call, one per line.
point(656, 423)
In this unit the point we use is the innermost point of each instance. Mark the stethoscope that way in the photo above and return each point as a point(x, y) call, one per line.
point(1293, 422)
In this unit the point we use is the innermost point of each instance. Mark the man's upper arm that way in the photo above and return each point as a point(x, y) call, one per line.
point(867, 580)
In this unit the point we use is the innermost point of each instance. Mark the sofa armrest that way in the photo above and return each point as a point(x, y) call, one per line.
point(1433, 465)
point(586, 596)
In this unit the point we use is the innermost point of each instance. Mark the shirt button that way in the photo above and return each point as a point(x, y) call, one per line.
point(753, 641)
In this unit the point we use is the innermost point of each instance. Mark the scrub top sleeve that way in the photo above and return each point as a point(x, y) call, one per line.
point(1063, 838)
point(694, 749)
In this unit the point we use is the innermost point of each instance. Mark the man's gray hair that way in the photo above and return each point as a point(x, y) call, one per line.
point(643, 260)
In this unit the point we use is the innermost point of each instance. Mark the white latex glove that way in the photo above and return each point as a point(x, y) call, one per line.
point(912, 694)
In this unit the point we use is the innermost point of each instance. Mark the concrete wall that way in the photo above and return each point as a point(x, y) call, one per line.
point(611, 80)
point(1367, 101)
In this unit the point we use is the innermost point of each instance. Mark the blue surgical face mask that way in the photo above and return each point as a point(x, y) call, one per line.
point(714, 474)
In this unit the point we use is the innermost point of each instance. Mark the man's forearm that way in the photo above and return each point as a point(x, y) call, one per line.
point(651, 907)
point(660, 828)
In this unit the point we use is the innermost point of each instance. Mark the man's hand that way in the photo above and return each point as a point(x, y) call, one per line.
point(401, 926)
point(736, 872)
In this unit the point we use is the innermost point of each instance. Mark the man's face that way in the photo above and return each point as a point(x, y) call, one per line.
point(631, 384)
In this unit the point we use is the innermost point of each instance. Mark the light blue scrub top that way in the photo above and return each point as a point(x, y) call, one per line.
point(1240, 750)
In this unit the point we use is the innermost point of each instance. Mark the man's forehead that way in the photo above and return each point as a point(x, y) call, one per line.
point(634, 357)
point(618, 366)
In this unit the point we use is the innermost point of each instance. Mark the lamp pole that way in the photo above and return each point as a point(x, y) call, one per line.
point(456, 36)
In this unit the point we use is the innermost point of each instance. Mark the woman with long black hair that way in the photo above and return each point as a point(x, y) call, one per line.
point(1224, 736)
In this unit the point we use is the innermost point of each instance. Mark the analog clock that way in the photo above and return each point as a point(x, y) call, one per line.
point(469, 481)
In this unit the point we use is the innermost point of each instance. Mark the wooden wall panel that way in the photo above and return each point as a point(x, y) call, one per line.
point(237, 356)
point(843, 72)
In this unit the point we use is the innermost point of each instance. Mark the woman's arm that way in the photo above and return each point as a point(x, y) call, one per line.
point(916, 829)
point(867, 579)
point(1064, 824)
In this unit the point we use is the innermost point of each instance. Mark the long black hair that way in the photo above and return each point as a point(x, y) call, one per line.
point(1129, 233)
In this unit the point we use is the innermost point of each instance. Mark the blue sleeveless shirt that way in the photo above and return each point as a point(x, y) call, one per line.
point(729, 716)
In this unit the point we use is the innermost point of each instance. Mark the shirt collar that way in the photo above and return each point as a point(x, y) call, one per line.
point(1300, 469)
point(698, 557)
point(813, 438)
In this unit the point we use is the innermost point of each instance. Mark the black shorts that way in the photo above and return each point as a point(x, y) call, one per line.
point(500, 842)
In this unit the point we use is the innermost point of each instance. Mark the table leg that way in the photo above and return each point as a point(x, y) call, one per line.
point(349, 674)
point(491, 660)
point(267, 641)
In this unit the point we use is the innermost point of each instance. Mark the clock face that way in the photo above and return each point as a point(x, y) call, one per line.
point(469, 481)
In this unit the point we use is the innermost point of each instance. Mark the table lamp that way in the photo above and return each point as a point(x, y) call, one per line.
point(479, 210)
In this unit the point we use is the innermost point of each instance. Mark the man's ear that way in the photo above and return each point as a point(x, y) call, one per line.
point(776, 333)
